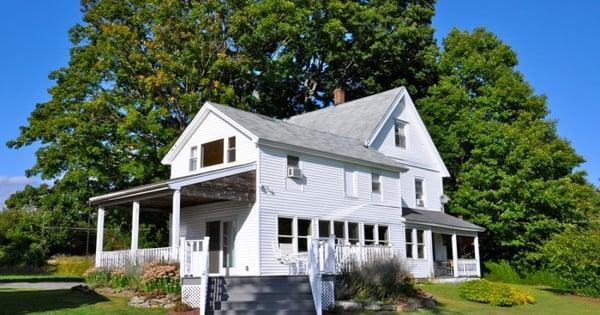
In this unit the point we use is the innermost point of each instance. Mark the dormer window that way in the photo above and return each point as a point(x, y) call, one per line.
point(400, 134)
point(231, 149)
point(193, 158)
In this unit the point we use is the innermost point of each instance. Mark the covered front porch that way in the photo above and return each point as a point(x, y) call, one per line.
point(441, 246)
point(207, 209)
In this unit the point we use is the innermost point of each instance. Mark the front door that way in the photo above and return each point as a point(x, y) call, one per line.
point(213, 230)
point(220, 246)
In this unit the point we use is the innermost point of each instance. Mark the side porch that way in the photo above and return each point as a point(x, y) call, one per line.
point(216, 204)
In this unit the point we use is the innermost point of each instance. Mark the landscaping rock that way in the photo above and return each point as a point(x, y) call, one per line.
point(137, 300)
point(408, 306)
point(388, 307)
point(170, 305)
point(428, 302)
point(373, 307)
point(348, 305)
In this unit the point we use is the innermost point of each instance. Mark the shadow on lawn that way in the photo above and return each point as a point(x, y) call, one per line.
point(23, 302)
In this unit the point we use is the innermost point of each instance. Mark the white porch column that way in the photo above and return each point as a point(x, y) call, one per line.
point(175, 218)
point(135, 225)
point(454, 255)
point(476, 246)
point(429, 249)
point(99, 235)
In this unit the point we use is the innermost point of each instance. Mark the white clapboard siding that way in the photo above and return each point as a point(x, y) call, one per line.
point(211, 129)
point(245, 218)
point(432, 188)
point(321, 196)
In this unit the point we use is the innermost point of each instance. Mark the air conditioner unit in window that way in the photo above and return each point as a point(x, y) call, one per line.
point(420, 202)
point(294, 172)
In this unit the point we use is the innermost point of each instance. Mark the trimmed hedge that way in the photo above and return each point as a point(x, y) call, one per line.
point(494, 293)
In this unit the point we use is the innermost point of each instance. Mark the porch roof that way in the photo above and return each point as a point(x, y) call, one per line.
point(236, 182)
point(438, 218)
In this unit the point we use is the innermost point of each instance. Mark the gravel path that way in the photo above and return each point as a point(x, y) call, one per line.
point(39, 285)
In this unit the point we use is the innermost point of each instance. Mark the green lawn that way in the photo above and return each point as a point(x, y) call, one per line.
point(38, 278)
point(547, 302)
point(16, 302)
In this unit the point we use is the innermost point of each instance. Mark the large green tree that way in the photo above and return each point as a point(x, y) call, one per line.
point(511, 172)
point(140, 69)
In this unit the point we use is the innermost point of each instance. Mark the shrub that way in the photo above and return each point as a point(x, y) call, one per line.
point(574, 256)
point(162, 278)
point(544, 277)
point(381, 280)
point(494, 293)
point(120, 278)
point(70, 265)
point(98, 277)
point(501, 272)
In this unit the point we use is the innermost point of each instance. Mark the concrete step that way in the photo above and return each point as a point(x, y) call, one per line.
point(300, 305)
point(260, 312)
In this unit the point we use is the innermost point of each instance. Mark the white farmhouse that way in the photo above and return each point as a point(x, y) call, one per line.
point(364, 173)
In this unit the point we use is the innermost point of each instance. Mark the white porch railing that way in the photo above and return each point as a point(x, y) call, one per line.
point(137, 257)
point(360, 254)
point(467, 267)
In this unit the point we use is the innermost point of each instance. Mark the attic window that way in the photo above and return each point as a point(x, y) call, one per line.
point(193, 158)
point(400, 134)
point(212, 153)
point(231, 149)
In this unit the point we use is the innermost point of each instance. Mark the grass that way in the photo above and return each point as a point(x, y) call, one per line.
point(547, 302)
point(17, 302)
point(39, 278)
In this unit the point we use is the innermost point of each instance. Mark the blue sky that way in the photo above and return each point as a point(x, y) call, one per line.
point(557, 45)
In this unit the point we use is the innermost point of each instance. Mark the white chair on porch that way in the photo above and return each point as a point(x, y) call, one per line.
point(296, 262)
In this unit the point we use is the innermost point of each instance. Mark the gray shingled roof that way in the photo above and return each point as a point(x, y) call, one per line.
point(279, 131)
point(428, 217)
point(355, 119)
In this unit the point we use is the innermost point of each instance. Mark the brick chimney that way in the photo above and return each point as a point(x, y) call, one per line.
point(338, 96)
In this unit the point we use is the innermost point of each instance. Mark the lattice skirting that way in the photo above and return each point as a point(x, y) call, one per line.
point(328, 291)
point(190, 295)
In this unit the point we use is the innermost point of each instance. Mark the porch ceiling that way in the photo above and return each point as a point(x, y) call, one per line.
point(234, 183)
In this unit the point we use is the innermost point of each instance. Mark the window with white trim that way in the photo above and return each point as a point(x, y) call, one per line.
point(350, 182)
point(369, 230)
point(340, 232)
point(383, 235)
point(193, 158)
point(324, 228)
point(353, 233)
point(304, 232)
point(376, 187)
point(212, 153)
point(285, 235)
point(400, 134)
point(420, 244)
point(408, 235)
point(231, 149)
point(419, 192)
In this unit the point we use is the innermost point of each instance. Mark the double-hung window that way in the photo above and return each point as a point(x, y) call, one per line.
point(383, 235)
point(376, 187)
point(231, 149)
point(285, 235)
point(324, 228)
point(369, 234)
point(340, 232)
point(353, 233)
point(400, 134)
point(420, 244)
point(304, 232)
point(419, 192)
point(409, 243)
point(193, 158)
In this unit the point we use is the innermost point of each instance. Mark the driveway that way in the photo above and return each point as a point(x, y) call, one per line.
point(39, 285)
